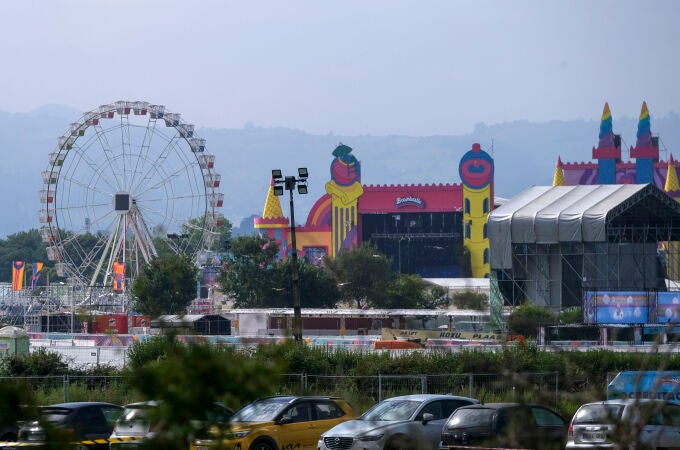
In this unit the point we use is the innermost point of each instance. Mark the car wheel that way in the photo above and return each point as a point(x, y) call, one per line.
point(262, 445)
point(400, 442)
point(8, 437)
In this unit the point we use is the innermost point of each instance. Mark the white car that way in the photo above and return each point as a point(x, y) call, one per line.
point(408, 421)
point(625, 423)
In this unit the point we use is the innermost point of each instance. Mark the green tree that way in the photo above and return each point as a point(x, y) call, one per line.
point(435, 297)
point(165, 286)
point(571, 315)
point(527, 318)
point(247, 276)
point(190, 376)
point(409, 291)
point(24, 246)
point(318, 288)
point(364, 274)
point(406, 292)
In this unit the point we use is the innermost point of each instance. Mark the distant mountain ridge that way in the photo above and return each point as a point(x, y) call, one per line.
point(524, 153)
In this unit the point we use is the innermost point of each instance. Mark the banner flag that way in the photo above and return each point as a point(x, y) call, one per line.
point(118, 276)
point(37, 267)
point(18, 275)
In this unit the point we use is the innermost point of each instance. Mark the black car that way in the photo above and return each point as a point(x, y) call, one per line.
point(76, 422)
point(514, 425)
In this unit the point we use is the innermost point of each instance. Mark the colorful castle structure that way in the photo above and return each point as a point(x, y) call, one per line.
point(425, 229)
point(611, 169)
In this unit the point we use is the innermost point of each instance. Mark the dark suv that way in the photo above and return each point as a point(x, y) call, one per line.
point(514, 425)
point(90, 423)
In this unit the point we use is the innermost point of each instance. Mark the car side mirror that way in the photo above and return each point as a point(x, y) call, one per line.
point(284, 420)
point(427, 417)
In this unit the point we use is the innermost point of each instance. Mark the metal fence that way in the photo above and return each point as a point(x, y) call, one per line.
point(363, 390)
point(537, 387)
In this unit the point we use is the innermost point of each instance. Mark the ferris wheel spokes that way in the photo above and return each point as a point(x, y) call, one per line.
point(164, 173)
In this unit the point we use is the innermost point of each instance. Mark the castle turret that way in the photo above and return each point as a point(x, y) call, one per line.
point(608, 151)
point(273, 223)
point(558, 177)
point(646, 150)
point(345, 189)
point(476, 172)
point(671, 185)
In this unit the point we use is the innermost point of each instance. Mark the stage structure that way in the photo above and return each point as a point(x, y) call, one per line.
point(433, 230)
point(550, 245)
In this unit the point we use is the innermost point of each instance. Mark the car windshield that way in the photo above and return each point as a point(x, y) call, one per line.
point(471, 417)
point(261, 411)
point(391, 410)
point(137, 413)
point(599, 413)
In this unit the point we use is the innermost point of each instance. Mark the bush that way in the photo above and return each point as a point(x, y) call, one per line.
point(471, 300)
point(526, 319)
point(40, 362)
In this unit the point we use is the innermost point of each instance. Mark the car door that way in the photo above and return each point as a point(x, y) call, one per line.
point(89, 423)
point(662, 429)
point(551, 428)
point(327, 414)
point(298, 430)
point(431, 431)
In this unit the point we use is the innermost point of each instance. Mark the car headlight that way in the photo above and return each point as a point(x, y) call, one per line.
point(371, 437)
point(238, 434)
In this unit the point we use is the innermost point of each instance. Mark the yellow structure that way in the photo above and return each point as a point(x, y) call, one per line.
point(476, 172)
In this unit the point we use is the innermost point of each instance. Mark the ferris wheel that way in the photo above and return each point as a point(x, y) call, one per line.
point(127, 182)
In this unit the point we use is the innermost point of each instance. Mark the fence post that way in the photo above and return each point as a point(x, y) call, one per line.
point(470, 377)
point(66, 388)
point(557, 390)
point(99, 349)
point(379, 387)
point(423, 384)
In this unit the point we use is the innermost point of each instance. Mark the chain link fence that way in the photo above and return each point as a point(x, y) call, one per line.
point(362, 390)
point(528, 387)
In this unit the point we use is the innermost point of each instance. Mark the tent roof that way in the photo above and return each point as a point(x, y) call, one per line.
point(554, 214)
point(12, 332)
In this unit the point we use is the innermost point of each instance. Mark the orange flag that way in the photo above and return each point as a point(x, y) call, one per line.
point(118, 276)
point(18, 275)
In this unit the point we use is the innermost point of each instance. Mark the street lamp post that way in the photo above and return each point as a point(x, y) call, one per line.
point(289, 183)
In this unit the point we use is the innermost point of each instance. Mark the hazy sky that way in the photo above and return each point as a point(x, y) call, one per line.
point(349, 66)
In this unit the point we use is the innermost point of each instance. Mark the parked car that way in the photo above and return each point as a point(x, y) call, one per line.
point(137, 423)
point(408, 422)
point(280, 422)
point(513, 425)
point(11, 419)
point(625, 423)
point(78, 422)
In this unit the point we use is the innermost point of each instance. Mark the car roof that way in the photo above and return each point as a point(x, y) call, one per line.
point(142, 404)
point(292, 398)
point(425, 397)
point(628, 401)
point(75, 405)
point(501, 405)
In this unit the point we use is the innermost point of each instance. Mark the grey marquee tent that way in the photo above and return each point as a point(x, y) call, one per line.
point(551, 243)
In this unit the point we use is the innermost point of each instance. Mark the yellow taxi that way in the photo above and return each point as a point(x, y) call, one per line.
point(280, 423)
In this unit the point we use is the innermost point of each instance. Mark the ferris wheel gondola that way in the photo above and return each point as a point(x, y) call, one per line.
point(127, 181)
